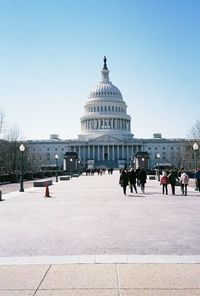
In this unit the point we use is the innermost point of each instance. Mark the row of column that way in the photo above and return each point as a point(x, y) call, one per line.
point(111, 123)
point(105, 152)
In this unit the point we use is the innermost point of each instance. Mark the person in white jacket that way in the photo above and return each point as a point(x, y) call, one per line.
point(184, 182)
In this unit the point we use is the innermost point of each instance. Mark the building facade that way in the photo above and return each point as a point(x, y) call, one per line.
point(106, 139)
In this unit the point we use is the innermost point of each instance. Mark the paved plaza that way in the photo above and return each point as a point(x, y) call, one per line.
point(90, 239)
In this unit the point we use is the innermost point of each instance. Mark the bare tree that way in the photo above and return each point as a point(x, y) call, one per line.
point(195, 131)
point(2, 119)
point(10, 152)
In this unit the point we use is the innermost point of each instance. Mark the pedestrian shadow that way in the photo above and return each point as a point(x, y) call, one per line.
point(136, 195)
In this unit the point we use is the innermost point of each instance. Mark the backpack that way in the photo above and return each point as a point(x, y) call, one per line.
point(164, 180)
point(185, 179)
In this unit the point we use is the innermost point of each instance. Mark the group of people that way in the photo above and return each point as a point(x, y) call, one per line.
point(132, 177)
point(172, 179)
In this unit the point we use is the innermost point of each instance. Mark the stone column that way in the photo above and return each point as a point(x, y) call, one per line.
point(108, 152)
point(98, 156)
point(93, 152)
point(84, 152)
point(103, 152)
point(117, 151)
point(123, 152)
point(113, 151)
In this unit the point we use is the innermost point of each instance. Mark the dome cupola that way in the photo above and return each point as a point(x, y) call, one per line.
point(105, 110)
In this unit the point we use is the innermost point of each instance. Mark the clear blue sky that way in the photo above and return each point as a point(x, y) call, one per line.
point(51, 56)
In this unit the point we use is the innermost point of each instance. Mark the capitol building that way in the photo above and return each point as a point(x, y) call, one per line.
point(106, 139)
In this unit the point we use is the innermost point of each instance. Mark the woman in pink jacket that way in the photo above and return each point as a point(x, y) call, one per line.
point(184, 182)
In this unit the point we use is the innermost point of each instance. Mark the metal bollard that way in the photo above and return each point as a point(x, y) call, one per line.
point(0, 195)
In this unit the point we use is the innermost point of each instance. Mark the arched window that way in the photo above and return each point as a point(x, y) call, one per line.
point(108, 108)
point(101, 108)
point(94, 109)
point(98, 109)
point(105, 108)
point(112, 108)
point(116, 109)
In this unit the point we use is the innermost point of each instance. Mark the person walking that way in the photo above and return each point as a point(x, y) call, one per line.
point(138, 170)
point(164, 181)
point(184, 182)
point(172, 180)
point(123, 180)
point(132, 180)
point(142, 178)
point(181, 171)
point(197, 179)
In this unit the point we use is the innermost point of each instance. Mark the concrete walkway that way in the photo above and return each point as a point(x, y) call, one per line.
point(90, 239)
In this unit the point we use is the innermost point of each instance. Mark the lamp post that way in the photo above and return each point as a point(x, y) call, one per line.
point(79, 166)
point(56, 158)
point(143, 162)
point(22, 149)
point(195, 148)
point(158, 158)
point(131, 163)
point(70, 163)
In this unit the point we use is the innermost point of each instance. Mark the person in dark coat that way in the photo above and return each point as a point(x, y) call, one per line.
point(132, 180)
point(197, 179)
point(123, 180)
point(138, 170)
point(179, 175)
point(143, 178)
point(172, 180)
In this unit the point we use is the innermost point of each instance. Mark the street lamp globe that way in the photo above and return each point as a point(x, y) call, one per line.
point(22, 148)
point(158, 155)
point(56, 156)
point(195, 146)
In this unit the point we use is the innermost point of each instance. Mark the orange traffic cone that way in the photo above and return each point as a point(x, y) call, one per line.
point(47, 191)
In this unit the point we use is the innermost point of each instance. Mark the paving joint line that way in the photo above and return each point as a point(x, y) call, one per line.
point(101, 259)
point(118, 281)
point(42, 280)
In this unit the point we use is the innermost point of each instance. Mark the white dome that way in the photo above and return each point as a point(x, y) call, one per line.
point(106, 90)
point(105, 111)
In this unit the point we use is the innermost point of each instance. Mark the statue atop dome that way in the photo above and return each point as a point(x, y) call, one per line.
point(105, 65)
